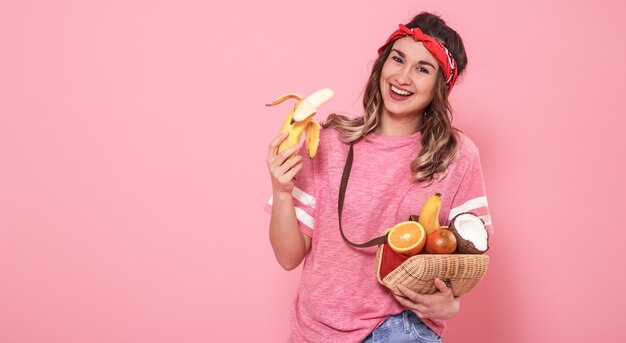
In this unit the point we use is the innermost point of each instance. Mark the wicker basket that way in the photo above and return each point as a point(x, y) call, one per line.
point(460, 271)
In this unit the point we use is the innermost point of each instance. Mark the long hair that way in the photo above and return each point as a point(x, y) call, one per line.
point(440, 141)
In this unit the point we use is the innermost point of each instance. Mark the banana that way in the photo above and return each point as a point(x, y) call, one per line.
point(429, 216)
point(300, 119)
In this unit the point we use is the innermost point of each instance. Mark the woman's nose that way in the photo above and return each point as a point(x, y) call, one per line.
point(403, 76)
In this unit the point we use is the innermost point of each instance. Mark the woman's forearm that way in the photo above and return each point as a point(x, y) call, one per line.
point(288, 242)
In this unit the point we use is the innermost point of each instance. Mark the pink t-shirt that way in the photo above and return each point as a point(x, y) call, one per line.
point(339, 298)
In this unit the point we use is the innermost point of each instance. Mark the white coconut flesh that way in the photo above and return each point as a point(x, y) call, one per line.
point(472, 229)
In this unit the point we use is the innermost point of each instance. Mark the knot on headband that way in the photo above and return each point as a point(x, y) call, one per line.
point(442, 55)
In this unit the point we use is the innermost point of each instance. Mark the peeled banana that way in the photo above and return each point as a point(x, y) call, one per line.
point(300, 119)
point(429, 216)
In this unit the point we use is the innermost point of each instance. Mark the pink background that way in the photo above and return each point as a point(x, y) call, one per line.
point(133, 137)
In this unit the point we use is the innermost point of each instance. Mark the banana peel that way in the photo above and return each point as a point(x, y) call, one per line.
point(300, 119)
point(312, 134)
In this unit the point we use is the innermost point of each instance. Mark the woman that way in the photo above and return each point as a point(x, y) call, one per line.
point(405, 149)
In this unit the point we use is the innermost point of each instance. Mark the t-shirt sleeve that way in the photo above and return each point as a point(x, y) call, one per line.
point(303, 194)
point(471, 195)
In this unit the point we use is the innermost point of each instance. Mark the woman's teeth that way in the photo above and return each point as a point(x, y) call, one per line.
point(400, 91)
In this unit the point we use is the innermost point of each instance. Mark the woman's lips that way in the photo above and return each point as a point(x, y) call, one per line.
point(396, 96)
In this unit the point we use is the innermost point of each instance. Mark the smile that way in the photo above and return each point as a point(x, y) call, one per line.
point(400, 91)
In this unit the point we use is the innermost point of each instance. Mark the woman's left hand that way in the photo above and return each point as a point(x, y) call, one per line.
point(440, 305)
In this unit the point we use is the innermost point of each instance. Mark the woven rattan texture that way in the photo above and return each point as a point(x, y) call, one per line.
point(462, 272)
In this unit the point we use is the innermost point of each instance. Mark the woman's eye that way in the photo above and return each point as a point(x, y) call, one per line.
point(397, 59)
point(422, 70)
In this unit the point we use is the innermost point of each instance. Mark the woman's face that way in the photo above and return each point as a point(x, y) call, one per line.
point(408, 78)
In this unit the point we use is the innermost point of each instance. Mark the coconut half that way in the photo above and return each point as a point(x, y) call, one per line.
point(471, 233)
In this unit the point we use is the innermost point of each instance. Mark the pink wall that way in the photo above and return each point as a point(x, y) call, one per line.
point(133, 138)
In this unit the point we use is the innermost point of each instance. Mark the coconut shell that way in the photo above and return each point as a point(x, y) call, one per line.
point(465, 246)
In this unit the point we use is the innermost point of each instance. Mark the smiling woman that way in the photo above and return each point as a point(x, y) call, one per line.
point(403, 149)
point(407, 84)
point(423, 58)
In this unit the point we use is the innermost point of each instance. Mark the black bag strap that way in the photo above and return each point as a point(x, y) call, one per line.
point(342, 194)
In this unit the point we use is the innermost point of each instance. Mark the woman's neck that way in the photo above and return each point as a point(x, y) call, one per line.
point(402, 126)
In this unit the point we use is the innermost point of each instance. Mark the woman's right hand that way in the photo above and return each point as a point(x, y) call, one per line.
point(283, 167)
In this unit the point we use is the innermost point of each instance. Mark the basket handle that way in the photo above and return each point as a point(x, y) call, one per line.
point(342, 194)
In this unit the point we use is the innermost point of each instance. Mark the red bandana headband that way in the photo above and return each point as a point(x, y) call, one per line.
point(441, 54)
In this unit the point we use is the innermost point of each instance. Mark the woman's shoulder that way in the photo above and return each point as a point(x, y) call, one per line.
point(330, 146)
point(329, 136)
point(467, 155)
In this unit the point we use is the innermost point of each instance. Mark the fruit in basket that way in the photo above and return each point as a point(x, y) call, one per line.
point(440, 241)
point(470, 232)
point(300, 119)
point(407, 238)
point(429, 216)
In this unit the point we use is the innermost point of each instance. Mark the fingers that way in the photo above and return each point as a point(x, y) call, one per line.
point(287, 153)
point(286, 169)
point(292, 172)
point(289, 163)
point(418, 309)
point(413, 296)
point(441, 286)
point(283, 167)
point(440, 305)
point(273, 150)
point(403, 301)
point(276, 159)
point(283, 182)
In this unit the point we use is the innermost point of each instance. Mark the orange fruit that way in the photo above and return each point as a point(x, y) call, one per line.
point(407, 238)
point(440, 241)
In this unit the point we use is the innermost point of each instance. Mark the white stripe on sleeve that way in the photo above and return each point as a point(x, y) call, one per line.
point(305, 218)
point(468, 206)
point(301, 215)
point(303, 197)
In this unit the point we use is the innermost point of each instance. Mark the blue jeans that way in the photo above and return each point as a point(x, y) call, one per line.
point(402, 327)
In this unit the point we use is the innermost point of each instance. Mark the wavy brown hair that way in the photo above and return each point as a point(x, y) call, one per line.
point(440, 141)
